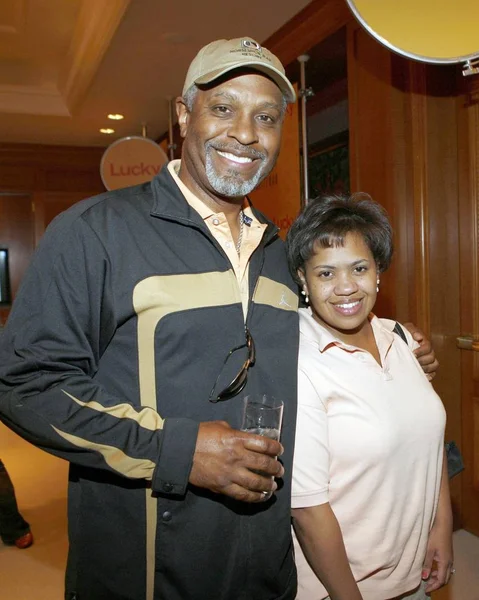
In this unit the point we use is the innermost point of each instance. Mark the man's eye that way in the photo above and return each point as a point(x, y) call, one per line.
point(221, 109)
point(267, 119)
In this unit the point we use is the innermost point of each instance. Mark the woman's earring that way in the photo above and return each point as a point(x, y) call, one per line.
point(377, 285)
point(306, 297)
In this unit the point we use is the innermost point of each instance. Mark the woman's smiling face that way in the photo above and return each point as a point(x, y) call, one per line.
point(341, 283)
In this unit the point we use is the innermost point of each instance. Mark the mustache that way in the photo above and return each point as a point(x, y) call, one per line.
point(236, 148)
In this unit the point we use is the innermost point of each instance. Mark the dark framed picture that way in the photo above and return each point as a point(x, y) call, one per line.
point(328, 166)
point(5, 297)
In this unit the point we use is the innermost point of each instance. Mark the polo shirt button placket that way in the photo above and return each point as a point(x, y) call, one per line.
point(386, 374)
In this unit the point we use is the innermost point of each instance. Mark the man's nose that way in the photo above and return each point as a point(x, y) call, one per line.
point(243, 129)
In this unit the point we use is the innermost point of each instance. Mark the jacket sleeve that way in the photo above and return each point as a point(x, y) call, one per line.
point(60, 325)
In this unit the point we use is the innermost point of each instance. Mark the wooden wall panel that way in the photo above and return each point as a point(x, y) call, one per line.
point(475, 444)
point(17, 178)
point(440, 257)
point(370, 135)
point(35, 168)
point(67, 180)
point(36, 183)
point(314, 23)
point(468, 147)
point(38, 155)
point(418, 151)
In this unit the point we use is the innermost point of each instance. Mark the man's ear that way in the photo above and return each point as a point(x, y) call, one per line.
point(183, 115)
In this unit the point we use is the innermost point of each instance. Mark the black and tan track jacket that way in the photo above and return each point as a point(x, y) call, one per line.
point(115, 340)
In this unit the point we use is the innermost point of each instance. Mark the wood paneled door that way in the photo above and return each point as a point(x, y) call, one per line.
point(468, 111)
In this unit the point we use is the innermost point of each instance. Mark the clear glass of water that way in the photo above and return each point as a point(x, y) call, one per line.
point(262, 415)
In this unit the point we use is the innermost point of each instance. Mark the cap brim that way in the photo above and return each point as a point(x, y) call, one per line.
point(281, 80)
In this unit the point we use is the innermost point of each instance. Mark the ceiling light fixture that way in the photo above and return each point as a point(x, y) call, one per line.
point(115, 117)
point(107, 131)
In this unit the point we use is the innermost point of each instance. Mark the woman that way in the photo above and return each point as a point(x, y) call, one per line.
point(371, 505)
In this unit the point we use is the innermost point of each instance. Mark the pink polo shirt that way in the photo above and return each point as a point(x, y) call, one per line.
point(369, 441)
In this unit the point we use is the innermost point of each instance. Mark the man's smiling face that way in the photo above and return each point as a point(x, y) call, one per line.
point(232, 136)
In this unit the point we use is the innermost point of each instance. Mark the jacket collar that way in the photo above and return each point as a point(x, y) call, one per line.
point(169, 203)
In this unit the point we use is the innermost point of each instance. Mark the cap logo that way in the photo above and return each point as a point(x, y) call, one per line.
point(251, 45)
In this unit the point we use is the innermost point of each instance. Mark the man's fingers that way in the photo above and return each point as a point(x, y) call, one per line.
point(428, 362)
point(259, 443)
point(263, 464)
point(257, 482)
point(418, 336)
point(428, 367)
point(416, 333)
point(249, 486)
point(425, 352)
point(235, 463)
point(240, 493)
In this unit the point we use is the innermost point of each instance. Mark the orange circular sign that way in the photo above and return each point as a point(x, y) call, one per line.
point(130, 161)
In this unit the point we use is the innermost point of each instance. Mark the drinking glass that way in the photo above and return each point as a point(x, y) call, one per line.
point(262, 415)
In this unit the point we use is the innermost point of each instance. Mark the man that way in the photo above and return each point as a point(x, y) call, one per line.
point(146, 316)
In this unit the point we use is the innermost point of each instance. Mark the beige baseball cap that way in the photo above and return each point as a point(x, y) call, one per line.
point(223, 56)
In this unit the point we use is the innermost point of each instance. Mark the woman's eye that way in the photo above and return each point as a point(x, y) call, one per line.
point(325, 274)
point(361, 269)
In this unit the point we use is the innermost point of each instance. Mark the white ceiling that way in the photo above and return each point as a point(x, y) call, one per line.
point(66, 64)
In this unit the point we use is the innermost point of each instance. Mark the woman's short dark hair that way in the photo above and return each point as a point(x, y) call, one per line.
point(326, 220)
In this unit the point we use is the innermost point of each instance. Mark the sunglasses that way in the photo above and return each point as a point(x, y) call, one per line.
point(239, 381)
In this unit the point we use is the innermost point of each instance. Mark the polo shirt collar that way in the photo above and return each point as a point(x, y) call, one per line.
point(169, 202)
point(323, 338)
point(201, 208)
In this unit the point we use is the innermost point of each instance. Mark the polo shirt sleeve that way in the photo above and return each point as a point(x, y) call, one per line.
point(311, 452)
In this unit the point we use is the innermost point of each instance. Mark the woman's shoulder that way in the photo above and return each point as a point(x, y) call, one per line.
point(398, 330)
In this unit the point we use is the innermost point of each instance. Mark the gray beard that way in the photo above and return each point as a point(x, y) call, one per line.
point(232, 185)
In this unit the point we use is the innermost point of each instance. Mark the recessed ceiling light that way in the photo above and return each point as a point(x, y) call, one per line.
point(107, 131)
point(115, 117)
